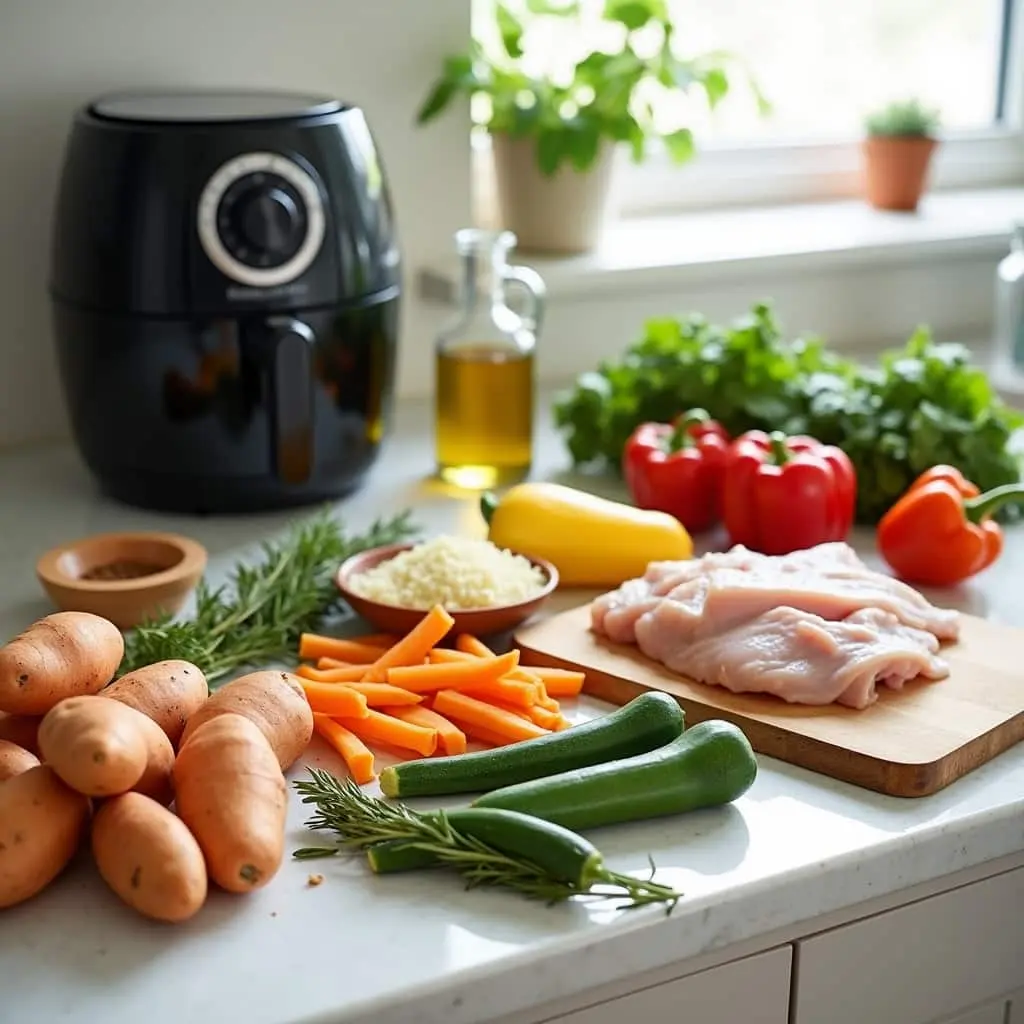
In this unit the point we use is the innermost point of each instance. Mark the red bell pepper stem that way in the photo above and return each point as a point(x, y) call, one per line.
point(780, 453)
point(681, 437)
point(985, 504)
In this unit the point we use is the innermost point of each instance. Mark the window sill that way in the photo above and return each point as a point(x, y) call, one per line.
point(644, 253)
point(861, 278)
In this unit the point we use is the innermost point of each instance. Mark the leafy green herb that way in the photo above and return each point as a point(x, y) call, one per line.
point(361, 821)
point(608, 95)
point(259, 615)
point(906, 119)
point(923, 404)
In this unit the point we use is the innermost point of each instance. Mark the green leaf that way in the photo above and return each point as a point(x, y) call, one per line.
point(511, 29)
point(550, 150)
point(674, 73)
point(583, 145)
point(716, 85)
point(565, 9)
point(437, 100)
point(635, 14)
point(680, 145)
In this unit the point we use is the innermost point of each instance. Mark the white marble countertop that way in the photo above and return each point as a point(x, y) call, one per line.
point(410, 949)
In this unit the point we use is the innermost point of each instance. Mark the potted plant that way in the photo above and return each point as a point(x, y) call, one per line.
point(554, 123)
point(897, 154)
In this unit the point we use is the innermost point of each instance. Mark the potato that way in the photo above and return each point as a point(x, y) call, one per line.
point(41, 823)
point(21, 729)
point(96, 745)
point(67, 654)
point(149, 858)
point(231, 793)
point(274, 701)
point(14, 760)
point(156, 781)
point(169, 692)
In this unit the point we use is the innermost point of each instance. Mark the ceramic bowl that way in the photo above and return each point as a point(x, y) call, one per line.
point(125, 577)
point(477, 621)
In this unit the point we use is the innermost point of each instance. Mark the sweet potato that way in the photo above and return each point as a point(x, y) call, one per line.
point(156, 781)
point(21, 729)
point(149, 858)
point(96, 745)
point(274, 701)
point(14, 760)
point(169, 692)
point(67, 654)
point(41, 823)
point(231, 793)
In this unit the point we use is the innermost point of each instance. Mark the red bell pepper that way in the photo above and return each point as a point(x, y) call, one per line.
point(783, 494)
point(939, 533)
point(677, 468)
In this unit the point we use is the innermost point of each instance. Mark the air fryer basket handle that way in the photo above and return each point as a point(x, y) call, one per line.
point(290, 398)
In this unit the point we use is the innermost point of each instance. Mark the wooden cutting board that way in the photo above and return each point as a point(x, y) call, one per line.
point(911, 743)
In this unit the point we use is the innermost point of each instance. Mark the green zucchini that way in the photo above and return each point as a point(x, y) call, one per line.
point(708, 765)
point(645, 723)
point(559, 853)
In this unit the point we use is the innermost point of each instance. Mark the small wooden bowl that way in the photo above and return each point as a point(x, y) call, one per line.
point(477, 621)
point(125, 577)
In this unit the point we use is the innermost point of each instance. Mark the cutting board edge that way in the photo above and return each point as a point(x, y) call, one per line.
point(908, 780)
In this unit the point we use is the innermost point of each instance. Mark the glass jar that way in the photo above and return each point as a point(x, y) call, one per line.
point(485, 367)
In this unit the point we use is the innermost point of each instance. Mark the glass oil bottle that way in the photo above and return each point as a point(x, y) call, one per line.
point(485, 368)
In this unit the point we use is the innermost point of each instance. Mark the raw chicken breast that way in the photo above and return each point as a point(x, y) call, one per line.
point(811, 627)
point(805, 659)
point(615, 614)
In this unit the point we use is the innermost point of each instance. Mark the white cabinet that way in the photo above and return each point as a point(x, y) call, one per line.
point(750, 991)
point(920, 964)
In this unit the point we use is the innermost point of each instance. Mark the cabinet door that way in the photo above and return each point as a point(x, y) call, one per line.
point(750, 991)
point(921, 963)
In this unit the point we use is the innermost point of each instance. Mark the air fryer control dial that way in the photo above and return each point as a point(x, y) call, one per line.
point(261, 220)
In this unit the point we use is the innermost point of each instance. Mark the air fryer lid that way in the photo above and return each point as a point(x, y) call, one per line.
point(212, 107)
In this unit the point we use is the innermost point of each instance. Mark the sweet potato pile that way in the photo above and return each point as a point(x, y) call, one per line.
point(82, 756)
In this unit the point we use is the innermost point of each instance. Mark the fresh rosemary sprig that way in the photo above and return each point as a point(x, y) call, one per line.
point(359, 821)
point(258, 615)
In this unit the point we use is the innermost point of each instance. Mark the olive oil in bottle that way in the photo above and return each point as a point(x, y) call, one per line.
point(484, 370)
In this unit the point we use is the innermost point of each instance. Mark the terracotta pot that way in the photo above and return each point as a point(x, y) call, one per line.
point(896, 170)
point(561, 214)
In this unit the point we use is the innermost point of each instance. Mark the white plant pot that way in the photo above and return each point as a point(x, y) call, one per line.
point(564, 213)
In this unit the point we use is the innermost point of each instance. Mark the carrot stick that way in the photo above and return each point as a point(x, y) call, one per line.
point(504, 691)
point(349, 674)
point(378, 727)
point(313, 646)
point(323, 663)
point(482, 735)
point(446, 656)
point(381, 695)
point(559, 682)
point(356, 755)
point(524, 675)
point(450, 737)
point(549, 704)
point(547, 719)
point(454, 676)
point(336, 701)
point(476, 712)
point(414, 646)
point(470, 645)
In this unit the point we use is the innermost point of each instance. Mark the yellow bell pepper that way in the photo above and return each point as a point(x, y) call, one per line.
point(592, 542)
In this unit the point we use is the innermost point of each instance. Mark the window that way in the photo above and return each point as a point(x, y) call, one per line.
point(824, 65)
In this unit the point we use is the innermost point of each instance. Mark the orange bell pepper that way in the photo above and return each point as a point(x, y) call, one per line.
point(939, 532)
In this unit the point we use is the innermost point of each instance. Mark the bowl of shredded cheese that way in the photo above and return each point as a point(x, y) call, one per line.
point(486, 589)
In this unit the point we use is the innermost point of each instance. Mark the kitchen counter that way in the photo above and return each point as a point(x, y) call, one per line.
point(799, 852)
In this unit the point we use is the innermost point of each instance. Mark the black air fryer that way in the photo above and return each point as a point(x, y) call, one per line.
point(225, 285)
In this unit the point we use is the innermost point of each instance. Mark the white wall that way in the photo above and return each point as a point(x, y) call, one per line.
point(55, 54)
